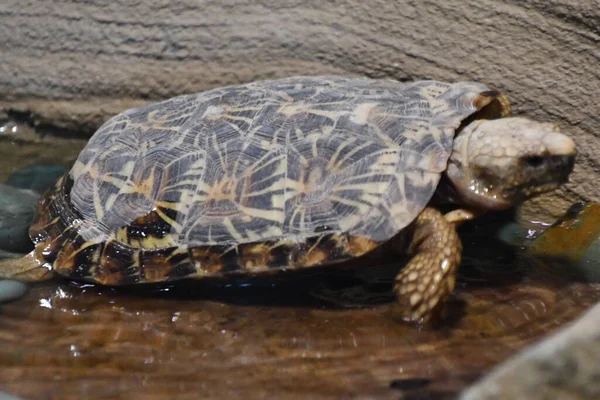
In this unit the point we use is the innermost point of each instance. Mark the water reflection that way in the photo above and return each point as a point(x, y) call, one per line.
point(8, 128)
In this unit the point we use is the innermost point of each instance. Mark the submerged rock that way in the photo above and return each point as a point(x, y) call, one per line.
point(38, 178)
point(17, 207)
point(575, 237)
point(11, 290)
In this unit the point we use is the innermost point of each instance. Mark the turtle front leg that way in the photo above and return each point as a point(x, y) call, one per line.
point(426, 282)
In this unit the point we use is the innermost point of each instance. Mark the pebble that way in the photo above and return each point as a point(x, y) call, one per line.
point(11, 290)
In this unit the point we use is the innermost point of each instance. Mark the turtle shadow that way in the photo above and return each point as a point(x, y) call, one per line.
point(333, 288)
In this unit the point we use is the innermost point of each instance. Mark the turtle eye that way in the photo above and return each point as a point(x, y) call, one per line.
point(534, 161)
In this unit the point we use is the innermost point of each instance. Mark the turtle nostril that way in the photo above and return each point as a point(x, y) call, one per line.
point(534, 161)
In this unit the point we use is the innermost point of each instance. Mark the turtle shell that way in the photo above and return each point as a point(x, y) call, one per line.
point(277, 174)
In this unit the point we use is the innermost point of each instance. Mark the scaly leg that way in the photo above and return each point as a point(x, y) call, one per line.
point(26, 269)
point(426, 282)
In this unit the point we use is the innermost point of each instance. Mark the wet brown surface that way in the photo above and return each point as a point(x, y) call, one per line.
point(333, 334)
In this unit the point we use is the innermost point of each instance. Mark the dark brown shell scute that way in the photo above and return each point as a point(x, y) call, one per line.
point(151, 225)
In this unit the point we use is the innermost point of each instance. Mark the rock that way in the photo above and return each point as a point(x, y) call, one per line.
point(17, 207)
point(565, 366)
point(38, 178)
point(269, 332)
point(11, 290)
point(72, 67)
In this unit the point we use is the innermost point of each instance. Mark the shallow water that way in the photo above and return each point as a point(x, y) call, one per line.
point(321, 334)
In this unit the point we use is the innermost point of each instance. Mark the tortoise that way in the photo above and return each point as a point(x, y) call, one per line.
point(293, 173)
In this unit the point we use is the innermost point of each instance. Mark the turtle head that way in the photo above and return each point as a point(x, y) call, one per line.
point(496, 164)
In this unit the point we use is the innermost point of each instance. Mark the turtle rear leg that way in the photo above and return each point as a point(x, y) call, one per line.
point(426, 282)
point(26, 269)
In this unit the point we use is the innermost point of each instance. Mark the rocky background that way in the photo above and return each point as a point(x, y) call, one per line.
point(67, 66)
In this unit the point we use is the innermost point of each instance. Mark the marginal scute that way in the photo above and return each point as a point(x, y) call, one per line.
point(282, 174)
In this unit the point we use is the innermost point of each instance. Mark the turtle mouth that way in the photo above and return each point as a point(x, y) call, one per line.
point(503, 198)
point(485, 196)
point(475, 193)
point(535, 176)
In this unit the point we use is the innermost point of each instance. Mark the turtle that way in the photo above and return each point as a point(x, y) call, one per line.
point(293, 173)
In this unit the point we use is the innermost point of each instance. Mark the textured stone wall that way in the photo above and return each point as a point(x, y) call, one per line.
point(68, 65)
